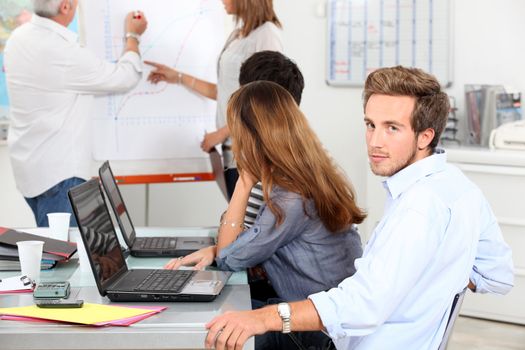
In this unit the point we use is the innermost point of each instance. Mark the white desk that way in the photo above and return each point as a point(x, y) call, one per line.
point(181, 326)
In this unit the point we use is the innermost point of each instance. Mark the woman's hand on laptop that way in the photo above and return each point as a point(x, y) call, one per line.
point(199, 259)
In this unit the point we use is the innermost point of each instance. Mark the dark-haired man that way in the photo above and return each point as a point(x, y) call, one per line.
point(276, 67)
point(437, 235)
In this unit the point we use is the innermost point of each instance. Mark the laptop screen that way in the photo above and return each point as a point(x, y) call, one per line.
point(94, 221)
point(117, 203)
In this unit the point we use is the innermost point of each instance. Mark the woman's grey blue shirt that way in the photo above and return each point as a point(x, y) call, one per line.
point(301, 256)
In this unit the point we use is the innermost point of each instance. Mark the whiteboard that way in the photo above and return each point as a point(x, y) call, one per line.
point(364, 35)
point(156, 128)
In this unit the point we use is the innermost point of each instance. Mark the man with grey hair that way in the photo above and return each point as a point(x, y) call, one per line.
point(51, 82)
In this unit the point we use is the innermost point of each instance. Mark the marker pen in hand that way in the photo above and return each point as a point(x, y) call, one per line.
point(136, 15)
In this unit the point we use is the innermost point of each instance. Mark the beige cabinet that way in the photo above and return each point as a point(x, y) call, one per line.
point(501, 177)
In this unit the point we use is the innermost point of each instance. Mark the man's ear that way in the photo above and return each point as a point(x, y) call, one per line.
point(65, 6)
point(424, 138)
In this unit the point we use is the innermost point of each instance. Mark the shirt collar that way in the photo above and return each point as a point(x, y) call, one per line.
point(55, 27)
point(403, 179)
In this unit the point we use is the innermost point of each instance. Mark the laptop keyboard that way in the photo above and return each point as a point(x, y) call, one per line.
point(165, 281)
point(158, 243)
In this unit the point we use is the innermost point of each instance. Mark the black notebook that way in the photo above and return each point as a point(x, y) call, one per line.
point(52, 246)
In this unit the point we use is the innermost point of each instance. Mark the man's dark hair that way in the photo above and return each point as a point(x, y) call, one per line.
point(276, 67)
point(432, 104)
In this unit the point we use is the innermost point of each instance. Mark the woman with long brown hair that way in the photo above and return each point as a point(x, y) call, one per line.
point(304, 234)
point(257, 29)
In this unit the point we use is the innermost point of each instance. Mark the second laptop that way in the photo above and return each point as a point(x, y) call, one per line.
point(145, 246)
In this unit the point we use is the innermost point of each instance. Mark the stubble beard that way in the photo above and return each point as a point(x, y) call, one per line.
point(397, 166)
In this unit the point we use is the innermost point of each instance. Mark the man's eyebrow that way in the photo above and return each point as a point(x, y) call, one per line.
point(392, 122)
point(386, 122)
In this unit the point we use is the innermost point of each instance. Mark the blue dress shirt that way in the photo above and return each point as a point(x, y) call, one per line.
point(437, 231)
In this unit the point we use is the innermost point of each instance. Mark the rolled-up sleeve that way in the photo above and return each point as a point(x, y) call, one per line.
point(264, 238)
point(89, 74)
point(493, 268)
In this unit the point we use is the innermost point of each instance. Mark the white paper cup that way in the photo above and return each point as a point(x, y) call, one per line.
point(59, 225)
point(30, 255)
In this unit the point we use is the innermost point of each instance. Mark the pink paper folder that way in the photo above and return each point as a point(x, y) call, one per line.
point(122, 322)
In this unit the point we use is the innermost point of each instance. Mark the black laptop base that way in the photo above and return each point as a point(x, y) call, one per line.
point(159, 253)
point(128, 297)
point(140, 252)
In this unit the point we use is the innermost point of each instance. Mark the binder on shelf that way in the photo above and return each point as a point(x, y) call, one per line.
point(488, 107)
point(508, 108)
point(62, 249)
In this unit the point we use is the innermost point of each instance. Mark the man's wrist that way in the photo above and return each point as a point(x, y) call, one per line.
point(272, 320)
point(134, 36)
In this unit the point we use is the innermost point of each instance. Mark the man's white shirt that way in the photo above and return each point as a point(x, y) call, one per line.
point(51, 82)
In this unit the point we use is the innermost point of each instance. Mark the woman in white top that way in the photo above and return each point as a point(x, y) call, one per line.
point(257, 29)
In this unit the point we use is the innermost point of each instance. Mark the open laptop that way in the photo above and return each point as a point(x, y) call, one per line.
point(145, 246)
point(111, 272)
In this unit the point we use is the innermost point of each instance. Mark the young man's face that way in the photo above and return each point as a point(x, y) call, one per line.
point(392, 144)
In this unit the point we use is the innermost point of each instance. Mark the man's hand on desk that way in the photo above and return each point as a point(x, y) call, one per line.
point(199, 259)
point(232, 329)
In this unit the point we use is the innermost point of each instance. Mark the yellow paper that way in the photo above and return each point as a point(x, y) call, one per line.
point(88, 314)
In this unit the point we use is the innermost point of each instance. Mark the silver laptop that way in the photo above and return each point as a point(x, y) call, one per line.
point(145, 246)
point(111, 272)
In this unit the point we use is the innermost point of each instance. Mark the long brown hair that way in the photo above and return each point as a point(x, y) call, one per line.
point(273, 142)
point(254, 13)
point(432, 104)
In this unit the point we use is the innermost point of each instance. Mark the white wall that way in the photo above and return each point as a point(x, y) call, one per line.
point(488, 48)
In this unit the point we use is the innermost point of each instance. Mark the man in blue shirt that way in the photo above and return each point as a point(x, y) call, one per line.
point(438, 235)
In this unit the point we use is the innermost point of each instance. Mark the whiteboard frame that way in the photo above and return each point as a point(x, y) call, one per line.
point(348, 83)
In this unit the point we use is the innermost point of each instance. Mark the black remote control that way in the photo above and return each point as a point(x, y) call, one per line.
point(59, 304)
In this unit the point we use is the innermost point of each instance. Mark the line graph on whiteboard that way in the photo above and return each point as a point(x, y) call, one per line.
point(162, 121)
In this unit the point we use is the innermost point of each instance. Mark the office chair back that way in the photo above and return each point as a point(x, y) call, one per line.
point(454, 312)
